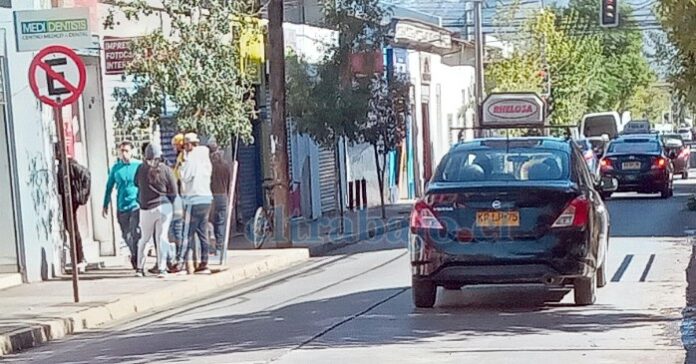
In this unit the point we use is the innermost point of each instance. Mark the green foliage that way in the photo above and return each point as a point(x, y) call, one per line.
point(649, 103)
point(677, 48)
point(327, 104)
point(592, 68)
point(623, 67)
point(572, 62)
point(194, 64)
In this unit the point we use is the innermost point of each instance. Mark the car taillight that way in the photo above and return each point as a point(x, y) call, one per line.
point(422, 217)
point(605, 164)
point(575, 214)
point(660, 163)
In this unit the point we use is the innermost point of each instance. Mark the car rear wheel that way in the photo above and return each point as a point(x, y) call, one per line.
point(585, 289)
point(685, 175)
point(424, 292)
point(602, 274)
point(666, 191)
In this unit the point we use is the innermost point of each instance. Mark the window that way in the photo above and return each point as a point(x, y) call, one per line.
point(634, 147)
point(515, 164)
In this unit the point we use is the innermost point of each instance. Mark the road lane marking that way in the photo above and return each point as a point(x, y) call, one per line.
point(651, 260)
point(622, 268)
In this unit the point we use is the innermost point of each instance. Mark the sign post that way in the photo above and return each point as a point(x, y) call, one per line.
point(57, 77)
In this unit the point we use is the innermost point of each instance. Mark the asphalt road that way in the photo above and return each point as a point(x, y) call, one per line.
point(355, 306)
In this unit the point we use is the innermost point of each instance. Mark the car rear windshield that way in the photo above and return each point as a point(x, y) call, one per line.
point(634, 146)
point(513, 164)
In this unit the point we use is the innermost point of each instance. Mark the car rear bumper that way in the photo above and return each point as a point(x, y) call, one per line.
point(653, 181)
point(543, 262)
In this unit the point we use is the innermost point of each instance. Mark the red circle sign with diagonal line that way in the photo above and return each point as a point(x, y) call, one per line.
point(57, 76)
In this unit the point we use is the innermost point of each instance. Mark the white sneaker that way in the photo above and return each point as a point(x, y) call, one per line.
point(162, 275)
point(82, 267)
point(139, 273)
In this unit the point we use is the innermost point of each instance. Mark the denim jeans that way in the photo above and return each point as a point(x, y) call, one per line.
point(129, 221)
point(219, 219)
point(195, 224)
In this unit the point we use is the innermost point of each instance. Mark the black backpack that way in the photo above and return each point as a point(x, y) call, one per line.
point(81, 181)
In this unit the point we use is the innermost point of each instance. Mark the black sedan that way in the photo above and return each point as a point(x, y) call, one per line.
point(639, 164)
point(497, 211)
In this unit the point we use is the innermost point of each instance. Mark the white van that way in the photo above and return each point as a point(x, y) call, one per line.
point(598, 124)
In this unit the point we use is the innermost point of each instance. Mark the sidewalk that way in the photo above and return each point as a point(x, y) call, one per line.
point(322, 236)
point(35, 313)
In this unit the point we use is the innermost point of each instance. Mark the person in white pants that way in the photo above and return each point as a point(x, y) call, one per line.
point(157, 191)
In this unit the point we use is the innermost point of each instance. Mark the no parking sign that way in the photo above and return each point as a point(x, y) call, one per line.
point(57, 76)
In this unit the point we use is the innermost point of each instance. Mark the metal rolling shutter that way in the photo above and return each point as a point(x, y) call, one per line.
point(327, 180)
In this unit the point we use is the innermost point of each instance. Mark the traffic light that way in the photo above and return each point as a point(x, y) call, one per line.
point(609, 14)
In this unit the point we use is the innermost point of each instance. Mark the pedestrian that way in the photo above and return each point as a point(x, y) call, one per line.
point(122, 176)
point(80, 189)
point(220, 186)
point(195, 174)
point(177, 226)
point(157, 191)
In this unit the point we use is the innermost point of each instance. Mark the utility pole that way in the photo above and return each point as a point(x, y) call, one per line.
point(279, 133)
point(479, 77)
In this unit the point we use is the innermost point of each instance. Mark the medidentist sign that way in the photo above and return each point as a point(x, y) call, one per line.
point(37, 29)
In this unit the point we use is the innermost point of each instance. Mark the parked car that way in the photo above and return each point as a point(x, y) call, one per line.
point(680, 155)
point(639, 164)
point(588, 152)
point(685, 134)
point(636, 127)
point(510, 211)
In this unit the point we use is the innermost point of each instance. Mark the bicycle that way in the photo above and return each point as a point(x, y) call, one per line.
point(265, 215)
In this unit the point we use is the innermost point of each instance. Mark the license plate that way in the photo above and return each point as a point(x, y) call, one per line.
point(497, 218)
point(630, 165)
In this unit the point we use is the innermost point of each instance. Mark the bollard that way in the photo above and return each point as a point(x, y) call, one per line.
point(350, 195)
point(364, 192)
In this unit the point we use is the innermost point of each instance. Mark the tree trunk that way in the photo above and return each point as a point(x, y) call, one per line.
point(380, 181)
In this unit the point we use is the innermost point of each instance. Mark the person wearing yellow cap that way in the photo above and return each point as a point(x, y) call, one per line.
point(177, 226)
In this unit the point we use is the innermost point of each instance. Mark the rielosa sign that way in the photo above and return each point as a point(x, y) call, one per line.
point(36, 29)
point(510, 110)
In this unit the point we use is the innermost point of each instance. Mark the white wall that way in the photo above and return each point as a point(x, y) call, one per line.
point(452, 80)
point(33, 130)
point(311, 43)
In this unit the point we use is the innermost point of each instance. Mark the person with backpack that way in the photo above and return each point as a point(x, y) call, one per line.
point(122, 176)
point(80, 190)
point(157, 192)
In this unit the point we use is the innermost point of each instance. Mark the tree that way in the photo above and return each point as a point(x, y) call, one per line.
point(385, 126)
point(194, 64)
point(623, 68)
point(649, 103)
point(572, 64)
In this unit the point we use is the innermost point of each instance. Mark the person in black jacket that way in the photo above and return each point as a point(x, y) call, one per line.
point(80, 182)
point(157, 191)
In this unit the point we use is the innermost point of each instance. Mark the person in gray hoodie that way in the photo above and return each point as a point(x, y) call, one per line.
point(195, 173)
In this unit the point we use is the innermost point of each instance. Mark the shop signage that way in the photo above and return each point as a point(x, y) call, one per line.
point(513, 110)
point(36, 29)
point(421, 35)
point(117, 55)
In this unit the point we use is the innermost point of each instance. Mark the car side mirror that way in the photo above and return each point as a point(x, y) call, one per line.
point(672, 154)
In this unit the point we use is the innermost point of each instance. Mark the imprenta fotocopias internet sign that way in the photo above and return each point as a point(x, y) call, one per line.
point(54, 28)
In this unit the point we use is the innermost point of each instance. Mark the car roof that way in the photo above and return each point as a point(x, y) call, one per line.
point(561, 144)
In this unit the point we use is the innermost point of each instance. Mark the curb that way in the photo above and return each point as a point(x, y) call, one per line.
point(328, 246)
point(51, 329)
